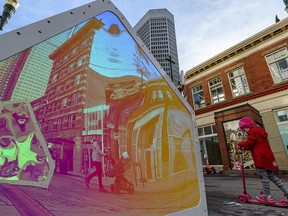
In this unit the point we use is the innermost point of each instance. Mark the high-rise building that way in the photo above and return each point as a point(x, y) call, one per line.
point(157, 31)
point(35, 73)
point(25, 75)
point(10, 69)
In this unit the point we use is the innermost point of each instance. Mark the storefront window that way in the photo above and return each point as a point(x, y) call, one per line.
point(211, 146)
point(209, 143)
point(281, 117)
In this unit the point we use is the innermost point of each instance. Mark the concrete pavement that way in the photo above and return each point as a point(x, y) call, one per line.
point(222, 192)
point(68, 195)
point(74, 199)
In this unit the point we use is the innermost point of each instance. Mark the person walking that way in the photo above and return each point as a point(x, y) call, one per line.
point(97, 155)
point(264, 160)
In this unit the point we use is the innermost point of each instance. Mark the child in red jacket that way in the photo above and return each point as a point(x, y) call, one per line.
point(264, 160)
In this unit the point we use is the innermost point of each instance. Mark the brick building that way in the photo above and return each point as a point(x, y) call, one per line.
point(248, 79)
point(68, 96)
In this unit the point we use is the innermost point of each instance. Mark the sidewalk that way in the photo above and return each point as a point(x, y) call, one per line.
point(233, 184)
point(16, 202)
point(220, 189)
point(6, 206)
point(68, 195)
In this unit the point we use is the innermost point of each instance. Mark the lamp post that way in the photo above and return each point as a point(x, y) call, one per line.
point(9, 8)
point(171, 62)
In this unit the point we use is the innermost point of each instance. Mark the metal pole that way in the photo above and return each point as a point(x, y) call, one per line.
point(171, 62)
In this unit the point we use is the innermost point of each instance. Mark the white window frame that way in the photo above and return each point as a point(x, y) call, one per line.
point(214, 86)
point(241, 85)
point(285, 110)
point(64, 102)
point(72, 120)
point(77, 79)
point(198, 106)
point(273, 58)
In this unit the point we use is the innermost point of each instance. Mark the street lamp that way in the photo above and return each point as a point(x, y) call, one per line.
point(10, 8)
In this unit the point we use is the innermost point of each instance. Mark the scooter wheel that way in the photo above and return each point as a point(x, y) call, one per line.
point(242, 198)
point(284, 202)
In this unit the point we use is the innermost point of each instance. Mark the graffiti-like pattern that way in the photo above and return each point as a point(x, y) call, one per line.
point(22, 151)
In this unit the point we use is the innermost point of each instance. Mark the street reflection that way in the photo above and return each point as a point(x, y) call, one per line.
point(101, 85)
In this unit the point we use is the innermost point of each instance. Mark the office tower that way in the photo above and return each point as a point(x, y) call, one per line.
point(25, 75)
point(10, 69)
point(34, 76)
point(157, 31)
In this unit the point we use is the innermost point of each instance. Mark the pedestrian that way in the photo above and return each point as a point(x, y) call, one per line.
point(97, 155)
point(209, 169)
point(264, 160)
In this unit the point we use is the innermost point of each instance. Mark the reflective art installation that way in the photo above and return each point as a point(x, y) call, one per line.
point(90, 79)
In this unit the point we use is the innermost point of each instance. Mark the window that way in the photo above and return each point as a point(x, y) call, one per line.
point(278, 65)
point(209, 144)
point(77, 79)
point(66, 57)
point(84, 43)
point(79, 62)
point(58, 89)
point(66, 84)
point(169, 95)
point(238, 82)
point(160, 95)
point(74, 51)
point(54, 106)
point(154, 96)
point(74, 99)
point(64, 122)
point(59, 122)
point(70, 67)
point(62, 72)
point(207, 130)
point(198, 97)
point(216, 90)
point(55, 125)
point(281, 115)
point(64, 102)
point(72, 121)
point(54, 78)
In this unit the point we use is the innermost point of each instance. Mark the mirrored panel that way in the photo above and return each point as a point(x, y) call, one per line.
point(107, 117)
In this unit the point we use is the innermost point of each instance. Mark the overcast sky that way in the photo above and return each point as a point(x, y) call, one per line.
point(204, 28)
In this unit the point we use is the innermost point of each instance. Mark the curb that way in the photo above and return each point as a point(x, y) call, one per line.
point(25, 204)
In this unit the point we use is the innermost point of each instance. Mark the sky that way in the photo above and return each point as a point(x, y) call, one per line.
point(204, 28)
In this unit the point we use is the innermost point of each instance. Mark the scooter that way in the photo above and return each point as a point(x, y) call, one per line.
point(246, 198)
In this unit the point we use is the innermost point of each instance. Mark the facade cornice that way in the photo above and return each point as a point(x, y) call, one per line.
point(79, 35)
point(274, 32)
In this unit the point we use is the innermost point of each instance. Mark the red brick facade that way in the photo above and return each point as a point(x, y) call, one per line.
point(251, 56)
